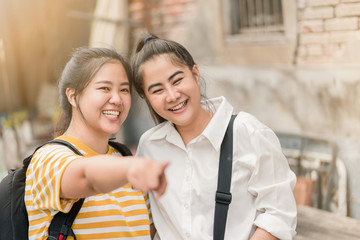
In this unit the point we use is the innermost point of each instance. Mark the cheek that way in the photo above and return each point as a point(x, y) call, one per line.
point(94, 98)
point(155, 102)
point(127, 101)
point(194, 89)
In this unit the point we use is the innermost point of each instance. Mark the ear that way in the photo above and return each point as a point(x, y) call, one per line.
point(70, 93)
point(196, 74)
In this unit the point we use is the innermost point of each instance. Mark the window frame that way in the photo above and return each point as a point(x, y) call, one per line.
point(259, 38)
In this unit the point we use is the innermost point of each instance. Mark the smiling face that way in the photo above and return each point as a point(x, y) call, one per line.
point(172, 90)
point(105, 102)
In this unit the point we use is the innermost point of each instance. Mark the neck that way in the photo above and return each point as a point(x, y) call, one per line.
point(191, 131)
point(97, 142)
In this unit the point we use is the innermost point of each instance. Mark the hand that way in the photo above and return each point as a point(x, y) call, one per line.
point(145, 175)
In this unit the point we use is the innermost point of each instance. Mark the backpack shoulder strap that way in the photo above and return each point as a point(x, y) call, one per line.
point(124, 150)
point(13, 215)
point(223, 194)
point(67, 144)
point(27, 160)
point(60, 226)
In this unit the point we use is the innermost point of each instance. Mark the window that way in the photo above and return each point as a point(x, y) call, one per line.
point(255, 20)
point(257, 31)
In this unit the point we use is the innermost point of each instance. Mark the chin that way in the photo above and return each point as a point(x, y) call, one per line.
point(111, 131)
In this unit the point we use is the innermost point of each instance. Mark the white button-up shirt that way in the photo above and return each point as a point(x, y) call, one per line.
point(261, 183)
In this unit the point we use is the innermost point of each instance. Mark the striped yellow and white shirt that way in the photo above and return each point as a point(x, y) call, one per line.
point(121, 214)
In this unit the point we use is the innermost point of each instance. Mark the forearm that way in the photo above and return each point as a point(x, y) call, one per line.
point(103, 173)
point(89, 176)
point(261, 234)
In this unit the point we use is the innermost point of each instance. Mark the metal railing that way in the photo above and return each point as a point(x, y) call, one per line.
point(256, 16)
point(313, 157)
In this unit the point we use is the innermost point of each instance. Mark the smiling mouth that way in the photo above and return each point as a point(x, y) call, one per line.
point(179, 106)
point(111, 113)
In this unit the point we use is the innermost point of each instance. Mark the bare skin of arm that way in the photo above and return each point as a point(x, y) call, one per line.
point(152, 231)
point(103, 173)
point(261, 234)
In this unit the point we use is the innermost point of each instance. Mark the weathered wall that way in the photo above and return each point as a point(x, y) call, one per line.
point(317, 100)
point(321, 101)
point(327, 30)
point(312, 85)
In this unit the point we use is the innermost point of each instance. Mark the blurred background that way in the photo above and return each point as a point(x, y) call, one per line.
point(294, 64)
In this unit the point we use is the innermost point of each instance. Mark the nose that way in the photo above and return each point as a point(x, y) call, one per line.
point(115, 98)
point(172, 94)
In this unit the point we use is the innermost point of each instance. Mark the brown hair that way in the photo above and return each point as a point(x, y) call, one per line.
point(77, 74)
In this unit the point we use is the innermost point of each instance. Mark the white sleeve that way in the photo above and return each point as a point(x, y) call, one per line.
point(272, 183)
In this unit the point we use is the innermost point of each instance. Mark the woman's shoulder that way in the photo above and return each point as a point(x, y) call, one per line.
point(51, 147)
point(49, 157)
point(249, 121)
point(52, 151)
point(156, 132)
point(257, 133)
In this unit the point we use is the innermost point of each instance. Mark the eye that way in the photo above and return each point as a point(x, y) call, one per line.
point(177, 81)
point(104, 88)
point(157, 91)
point(126, 90)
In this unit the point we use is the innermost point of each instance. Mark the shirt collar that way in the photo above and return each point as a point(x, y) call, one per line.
point(162, 130)
point(167, 130)
point(214, 131)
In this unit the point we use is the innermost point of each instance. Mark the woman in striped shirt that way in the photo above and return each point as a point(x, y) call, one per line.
point(95, 100)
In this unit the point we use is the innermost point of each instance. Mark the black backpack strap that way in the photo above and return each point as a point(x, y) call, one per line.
point(27, 160)
point(124, 150)
point(65, 143)
point(60, 226)
point(223, 194)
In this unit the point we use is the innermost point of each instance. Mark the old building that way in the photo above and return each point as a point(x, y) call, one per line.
point(294, 64)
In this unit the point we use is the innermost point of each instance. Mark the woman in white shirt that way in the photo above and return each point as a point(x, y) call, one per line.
point(189, 133)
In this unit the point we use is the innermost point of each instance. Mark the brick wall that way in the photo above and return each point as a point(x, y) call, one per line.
point(165, 18)
point(326, 27)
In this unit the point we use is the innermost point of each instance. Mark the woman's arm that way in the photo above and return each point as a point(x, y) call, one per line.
point(261, 234)
point(270, 181)
point(103, 173)
point(152, 231)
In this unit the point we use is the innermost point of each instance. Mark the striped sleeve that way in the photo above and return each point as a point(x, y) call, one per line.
point(147, 201)
point(45, 172)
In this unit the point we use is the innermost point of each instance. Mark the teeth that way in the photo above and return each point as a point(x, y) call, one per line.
point(178, 106)
point(112, 113)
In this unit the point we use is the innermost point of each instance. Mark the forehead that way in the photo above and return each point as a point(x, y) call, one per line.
point(159, 59)
point(160, 66)
point(112, 68)
point(112, 72)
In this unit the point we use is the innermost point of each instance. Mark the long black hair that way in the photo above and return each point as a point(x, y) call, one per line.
point(148, 48)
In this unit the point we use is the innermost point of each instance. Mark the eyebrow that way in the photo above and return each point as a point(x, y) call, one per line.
point(109, 82)
point(169, 78)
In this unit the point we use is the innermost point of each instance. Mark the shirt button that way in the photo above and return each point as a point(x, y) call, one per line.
point(187, 235)
point(186, 205)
